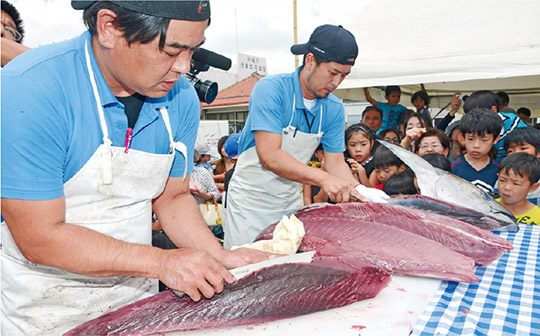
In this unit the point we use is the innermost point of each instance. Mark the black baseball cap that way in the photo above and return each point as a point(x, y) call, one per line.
point(333, 43)
point(176, 10)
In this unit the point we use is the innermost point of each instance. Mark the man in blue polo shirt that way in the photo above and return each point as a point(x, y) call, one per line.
point(97, 133)
point(289, 115)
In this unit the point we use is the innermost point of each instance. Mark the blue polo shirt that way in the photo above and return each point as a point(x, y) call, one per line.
point(51, 127)
point(271, 108)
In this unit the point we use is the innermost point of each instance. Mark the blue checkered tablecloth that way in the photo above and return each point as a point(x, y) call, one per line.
point(505, 301)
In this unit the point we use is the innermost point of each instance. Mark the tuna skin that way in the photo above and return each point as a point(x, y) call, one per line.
point(470, 216)
point(269, 294)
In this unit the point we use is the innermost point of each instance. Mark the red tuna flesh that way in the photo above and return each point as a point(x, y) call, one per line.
point(396, 250)
point(478, 244)
point(269, 294)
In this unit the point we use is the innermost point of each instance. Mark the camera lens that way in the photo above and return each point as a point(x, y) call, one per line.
point(206, 90)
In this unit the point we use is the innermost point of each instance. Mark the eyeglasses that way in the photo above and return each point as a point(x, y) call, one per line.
point(314, 164)
point(434, 146)
point(391, 140)
point(14, 33)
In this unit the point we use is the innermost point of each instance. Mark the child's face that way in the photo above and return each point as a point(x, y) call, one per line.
point(372, 119)
point(392, 137)
point(383, 173)
point(514, 188)
point(478, 146)
point(419, 103)
point(359, 147)
point(393, 98)
point(523, 148)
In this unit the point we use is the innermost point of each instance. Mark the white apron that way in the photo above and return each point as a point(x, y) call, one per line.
point(257, 197)
point(111, 194)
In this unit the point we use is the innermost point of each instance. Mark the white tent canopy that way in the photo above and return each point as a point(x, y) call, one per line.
point(458, 45)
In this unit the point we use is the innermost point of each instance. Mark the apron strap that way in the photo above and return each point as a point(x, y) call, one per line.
point(175, 145)
point(320, 120)
point(293, 109)
point(107, 154)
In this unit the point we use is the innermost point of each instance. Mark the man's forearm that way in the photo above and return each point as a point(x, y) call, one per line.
point(44, 239)
point(340, 169)
point(181, 219)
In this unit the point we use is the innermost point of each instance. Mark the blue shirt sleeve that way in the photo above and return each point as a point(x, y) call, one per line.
point(267, 106)
point(34, 138)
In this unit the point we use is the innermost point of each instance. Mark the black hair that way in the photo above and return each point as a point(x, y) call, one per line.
point(505, 99)
point(482, 99)
point(363, 128)
point(524, 110)
point(520, 136)
point(482, 121)
point(430, 131)
point(438, 161)
point(372, 108)
point(522, 164)
point(360, 127)
point(391, 88)
point(137, 27)
point(384, 132)
point(422, 95)
point(425, 121)
point(383, 157)
point(14, 14)
point(401, 184)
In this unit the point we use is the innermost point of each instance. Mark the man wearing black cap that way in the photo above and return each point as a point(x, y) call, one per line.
point(97, 133)
point(289, 115)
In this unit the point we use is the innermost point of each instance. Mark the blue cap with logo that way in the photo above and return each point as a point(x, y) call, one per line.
point(333, 43)
point(231, 146)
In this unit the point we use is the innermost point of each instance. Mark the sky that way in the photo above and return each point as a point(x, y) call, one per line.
point(262, 28)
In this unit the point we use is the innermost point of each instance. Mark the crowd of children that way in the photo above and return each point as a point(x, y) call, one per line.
point(494, 150)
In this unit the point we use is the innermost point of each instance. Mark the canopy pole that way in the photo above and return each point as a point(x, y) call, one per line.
point(295, 29)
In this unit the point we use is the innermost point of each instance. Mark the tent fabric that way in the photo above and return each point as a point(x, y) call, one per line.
point(450, 44)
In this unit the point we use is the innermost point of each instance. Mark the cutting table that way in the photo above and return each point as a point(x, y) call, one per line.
point(505, 301)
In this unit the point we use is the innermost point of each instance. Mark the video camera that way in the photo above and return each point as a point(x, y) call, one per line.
point(202, 60)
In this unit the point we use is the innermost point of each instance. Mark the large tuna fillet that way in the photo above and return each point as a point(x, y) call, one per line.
point(269, 294)
point(481, 245)
point(396, 250)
